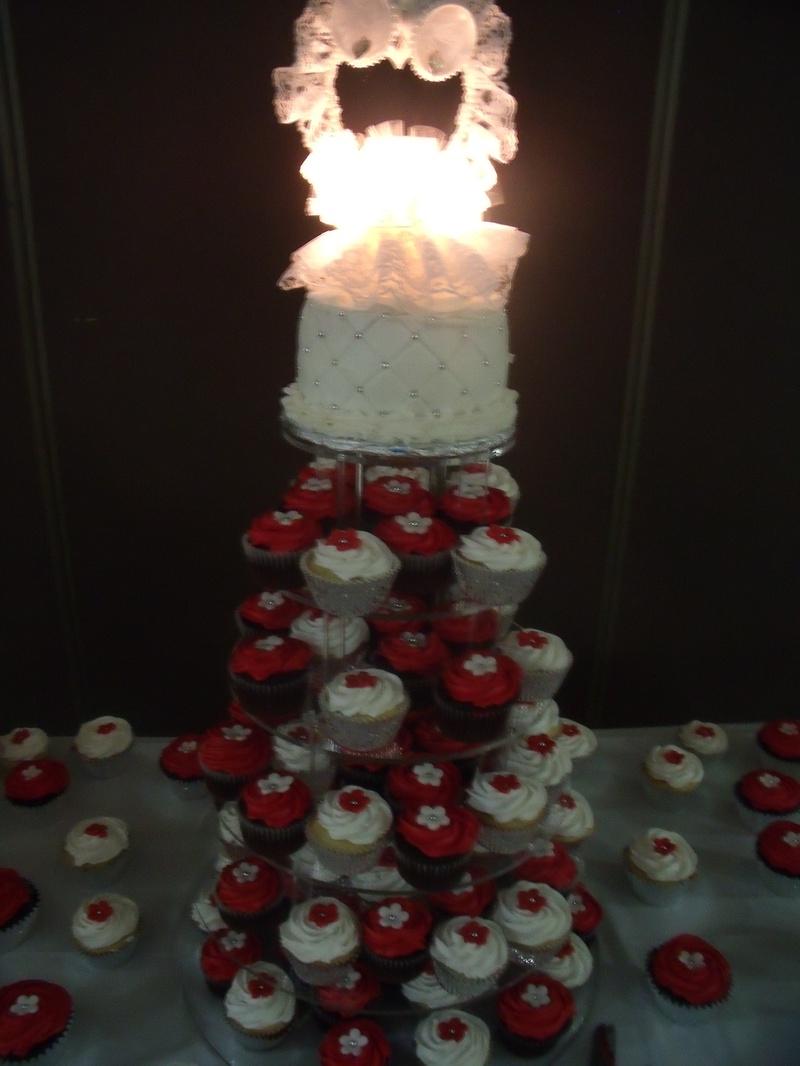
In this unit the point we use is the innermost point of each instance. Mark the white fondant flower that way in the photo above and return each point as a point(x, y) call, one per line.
point(287, 518)
point(692, 960)
point(270, 600)
point(789, 729)
point(432, 817)
point(30, 772)
point(269, 643)
point(25, 1005)
point(414, 523)
point(233, 941)
point(187, 747)
point(428, 774)
point(542, 849)
point(769, 780)
point(353, 1043)
point(401, 488)
point(349, 980)
point(245, 873)
point(274, 783)
point(536, 995)
point(472, 491)
point(318, 484)
point(393, 916)
point(236, 732)
point(792, 839)
point(576, 904)
point(479, 665)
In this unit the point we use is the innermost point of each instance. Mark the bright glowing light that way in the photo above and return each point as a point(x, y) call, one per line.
point(392, 179)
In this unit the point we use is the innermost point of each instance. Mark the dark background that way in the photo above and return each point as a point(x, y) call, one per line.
point(165, 203)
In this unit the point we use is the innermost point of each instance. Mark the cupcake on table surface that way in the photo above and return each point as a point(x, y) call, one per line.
point(426, 990)
point(534, 1015)
point(463, 625)
point(296, 750)
point(395, 932)
point(416, 656)
point(544, 658)
point(98, 846)
point(267, 613)
point(779, 741)
point(541, 716)
point(36, 782)
point(399, 613)
point(587, 913)
point(579, 740)
point(246, 891)
point(424, 783)
point(468, 506)
point(363, 709)
point(268, 676)
point(569, 819)
point(778, 853)
point(35, 1017)
point(320, 498)
point(331, 639)
point(705, 739)
point(355, 1042)
point(471, 896)
point(690, 979)
point(19, 906)
point(551, 863)
point(508, 808)
point(763, 795)
point(223, 954)
point(105, 928)
point(661, 866)
point(320, 938)
point(469, 955)
point(231, 755)
point(349, 995)
point(272, 813)
point(394, 494)
point(179, 761)
point(103, 744)
point(572, 965)
point(452, 1038)
point(349, 829)
point(435, 844)
point(497, 565)
point(475, 693)
point(22, 745)
point(537, 757)
point(260, 1005)
point(273, 545)
point(536, 920)
point(350, 572)
point(671, 774)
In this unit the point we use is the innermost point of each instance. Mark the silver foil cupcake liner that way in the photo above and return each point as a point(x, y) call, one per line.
point(530, 958)
point(361, 734)
point(349, 599)
point(506, 841)
point(317, 973)
point(495, 588)
point(542, 684)
point(462, 986)
point(345, 864)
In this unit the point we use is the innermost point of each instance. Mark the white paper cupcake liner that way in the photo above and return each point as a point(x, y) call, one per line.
point(345, 864)
point(659, 893)
point(349, 599)
point(361, 734)
point(103, 769)
point(542, 684)
point(494, 588)
point(458, 984)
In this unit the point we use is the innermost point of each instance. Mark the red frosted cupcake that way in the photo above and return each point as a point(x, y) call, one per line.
point(424, 783)
point(272, 813)
point(351, 994)
point(224, 953)
point(534, 1014)
point(395, 934)
point(468, 506)
point(586, 913)
point(179, 761)
point(267, 614)
point(462, 626)
point(268, 676)
point(475, 693)
point(689, 978)
point(34, 1017)
point(551, 864)
point(320, 498)
point(422, 544)
point(247, 891)
point(19, 905)
point(429, 739)
point(471, 897)
point(230, 755)
point(356, 1042)
point(780, 741)
point(434, 844)
point(778, 851)
point(766, 794)
point(386, 497)
point(398, 614)
point(416, 656)
point(273, 544)
point(36, 782)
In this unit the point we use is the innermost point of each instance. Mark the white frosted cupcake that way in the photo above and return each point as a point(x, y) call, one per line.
point(536, 920)
point(98, 846)
point(294, 753)
point(426, 990)
point(260, 1005)
point(22, 744)
point(488, 475)
point(349, 829)
point(509, 809)
point(572, 965)
point(320, 938)
point(545, 660)
point(205, 914)
point(671, 774)
point(579, 740)
point(105, 928)
point(469, 955)
point(498, 565)
point(103, 745)
point(569, 819)
point(539, 758)
point(661, 866)
point(452, 1038)
point(540, 716)
point(350, 572)
point(333, 639)
point(705, 739)
point(362, 710)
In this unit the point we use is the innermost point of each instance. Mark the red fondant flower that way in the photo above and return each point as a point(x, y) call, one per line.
point(505, 783)
point(566, 801)
point(705, 731)
point(542, 743)
point(503, 534)
point(20, 736)
point(323, 914)
point(672, 755)
point(261, 987)
point(452, 1029)
point(570, 730)
point(107, 727)
point(99, 911)
point(353, 799)
point(664, 846)
point(529, 638)
point(531, 900)
point(360, 679)
point(344, 540)
point(96, 829)
point(474, 933)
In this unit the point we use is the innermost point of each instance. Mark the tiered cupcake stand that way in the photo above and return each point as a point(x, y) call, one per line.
point(396, 1014)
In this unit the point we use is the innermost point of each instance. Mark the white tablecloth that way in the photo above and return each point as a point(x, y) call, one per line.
point(135, 1015)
